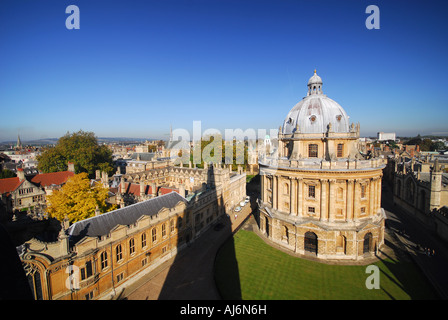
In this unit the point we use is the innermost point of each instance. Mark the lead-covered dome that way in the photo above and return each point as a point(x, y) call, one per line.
point(316, 112)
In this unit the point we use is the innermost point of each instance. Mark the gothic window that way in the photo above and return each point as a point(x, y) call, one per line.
point(410, 190)
point(312, 151)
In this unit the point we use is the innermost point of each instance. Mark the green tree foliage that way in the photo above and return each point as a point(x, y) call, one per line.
point(80, 148)
point(5, 173)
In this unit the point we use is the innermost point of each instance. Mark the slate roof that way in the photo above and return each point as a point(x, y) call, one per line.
point(104, 223)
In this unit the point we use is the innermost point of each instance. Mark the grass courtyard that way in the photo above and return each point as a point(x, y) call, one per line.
point(249, 269)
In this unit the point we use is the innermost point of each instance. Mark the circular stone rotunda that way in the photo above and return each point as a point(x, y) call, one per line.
point(320, 195)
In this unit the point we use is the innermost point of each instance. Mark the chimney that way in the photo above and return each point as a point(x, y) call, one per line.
point(20, 174)
point(71, 167)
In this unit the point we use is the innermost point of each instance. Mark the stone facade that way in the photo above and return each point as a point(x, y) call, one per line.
point(320, 195)
point(98, 257)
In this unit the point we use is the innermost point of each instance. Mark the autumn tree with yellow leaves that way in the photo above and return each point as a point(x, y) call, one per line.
point(77, 200)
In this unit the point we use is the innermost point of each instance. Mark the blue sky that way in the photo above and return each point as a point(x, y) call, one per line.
point(136, 67)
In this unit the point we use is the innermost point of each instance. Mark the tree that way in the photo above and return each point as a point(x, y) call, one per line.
point(80, 148)
point(77, 200)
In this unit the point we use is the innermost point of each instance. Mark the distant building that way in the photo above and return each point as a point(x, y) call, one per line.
point(420, 187)
point(20, 193)
point(382, 136)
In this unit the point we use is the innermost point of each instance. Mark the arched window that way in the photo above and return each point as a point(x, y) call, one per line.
point(312, 150)
point(341, 243)
point(285, 233)
point(367, 243)
point(310, 242)
point(286, 188)
point(410, 190)
point(267, 226)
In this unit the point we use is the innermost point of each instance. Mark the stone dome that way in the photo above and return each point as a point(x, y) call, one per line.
point(316, 112)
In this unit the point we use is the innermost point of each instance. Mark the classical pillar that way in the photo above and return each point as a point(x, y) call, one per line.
point(331, 209)
point(300, 197)
point(323, 200)
point(378, 194)
point(293, 194)
point(356, 198)
point(349, 198)
point(274, 191)
point(263, 186)
point(372, 196)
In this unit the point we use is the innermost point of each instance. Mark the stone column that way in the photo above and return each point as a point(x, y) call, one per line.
point(349, 198)
point(356, 196)
point(323, 200)
point(331, 209)
point(378, 182)
point(293, 193)
point(274, 192)
point(372, 196)
point(300, 197)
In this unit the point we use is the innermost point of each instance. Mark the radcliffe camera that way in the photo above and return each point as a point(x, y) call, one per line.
point(223, 158)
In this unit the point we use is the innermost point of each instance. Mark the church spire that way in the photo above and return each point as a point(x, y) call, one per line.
point(19, 142)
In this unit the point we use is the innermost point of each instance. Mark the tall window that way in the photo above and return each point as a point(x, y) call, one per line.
point(312, 151)
point(340, 150)
point(164, 230)
point(363, 191)
point(119, 252)
point(87, 271)
point(104, 261)
point(154, 234)
point(131, 246)
point(143, 239)
point(312, 192)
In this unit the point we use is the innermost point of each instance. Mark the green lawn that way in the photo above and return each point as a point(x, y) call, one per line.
point(246, 267)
